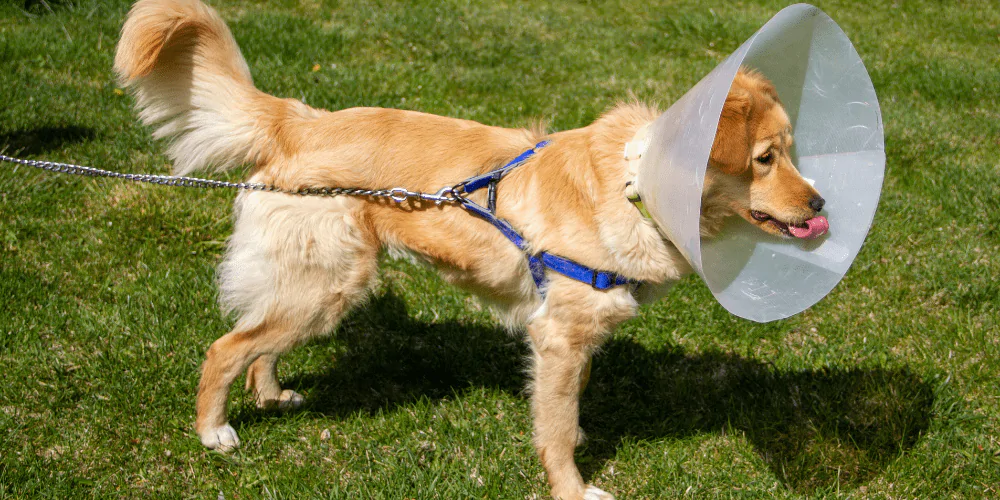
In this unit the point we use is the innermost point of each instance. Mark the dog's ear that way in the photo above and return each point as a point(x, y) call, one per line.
point(732, 149)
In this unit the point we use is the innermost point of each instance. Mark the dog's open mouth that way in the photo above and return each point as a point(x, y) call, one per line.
point(812, 228)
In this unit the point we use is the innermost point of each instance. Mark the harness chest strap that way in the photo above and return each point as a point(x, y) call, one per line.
point(539, 262)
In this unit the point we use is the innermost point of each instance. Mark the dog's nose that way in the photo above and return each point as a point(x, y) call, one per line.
point(816, 203)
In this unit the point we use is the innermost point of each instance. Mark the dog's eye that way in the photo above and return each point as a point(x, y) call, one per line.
point(765, 158)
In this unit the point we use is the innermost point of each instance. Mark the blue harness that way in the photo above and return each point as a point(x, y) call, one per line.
point(539, 262)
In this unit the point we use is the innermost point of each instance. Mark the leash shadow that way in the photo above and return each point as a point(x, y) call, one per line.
point(813, 428)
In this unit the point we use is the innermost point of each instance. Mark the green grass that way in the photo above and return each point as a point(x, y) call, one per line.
point(888, 388)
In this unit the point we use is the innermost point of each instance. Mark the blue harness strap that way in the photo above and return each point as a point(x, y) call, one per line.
point(539, 262)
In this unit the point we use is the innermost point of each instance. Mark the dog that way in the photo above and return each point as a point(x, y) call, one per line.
point(295, 265)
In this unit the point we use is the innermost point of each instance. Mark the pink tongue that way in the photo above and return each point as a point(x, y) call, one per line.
point(815, 227)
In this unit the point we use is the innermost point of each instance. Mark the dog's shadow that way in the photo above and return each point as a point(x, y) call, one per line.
point(813, 428)
point(43, 139)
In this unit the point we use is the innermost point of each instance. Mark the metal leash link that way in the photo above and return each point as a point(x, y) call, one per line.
point(397, 194)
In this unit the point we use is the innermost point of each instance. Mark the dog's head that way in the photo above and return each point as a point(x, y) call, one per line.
point(750, 171)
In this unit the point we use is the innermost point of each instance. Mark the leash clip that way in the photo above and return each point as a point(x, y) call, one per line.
point(444, 195)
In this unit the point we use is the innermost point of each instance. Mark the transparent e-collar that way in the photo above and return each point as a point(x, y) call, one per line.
point(837, 125)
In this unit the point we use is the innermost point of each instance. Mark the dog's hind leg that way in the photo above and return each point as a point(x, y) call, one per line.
point(226, 358)
point(293, 269)
point(338, 296)
point(262, 382)
point(257, 349)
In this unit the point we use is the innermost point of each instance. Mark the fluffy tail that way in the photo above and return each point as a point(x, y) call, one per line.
point(191, 82)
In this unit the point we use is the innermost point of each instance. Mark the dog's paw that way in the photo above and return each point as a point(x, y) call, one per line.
point(595, 493)
point(290, 400)
point(220, 438)
point(287, 400)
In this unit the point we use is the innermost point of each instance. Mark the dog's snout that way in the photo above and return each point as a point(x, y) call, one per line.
point(816, 203)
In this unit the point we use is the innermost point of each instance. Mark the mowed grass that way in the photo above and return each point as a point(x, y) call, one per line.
point(888, 388)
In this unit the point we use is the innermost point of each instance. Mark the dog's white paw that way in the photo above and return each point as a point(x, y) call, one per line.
point(220, 438)
point(289, 400)
point(595, 493)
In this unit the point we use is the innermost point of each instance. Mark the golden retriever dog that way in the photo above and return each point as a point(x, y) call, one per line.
point(296, 264)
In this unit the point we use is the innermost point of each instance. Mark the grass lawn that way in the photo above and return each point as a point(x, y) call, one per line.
point(888, 388)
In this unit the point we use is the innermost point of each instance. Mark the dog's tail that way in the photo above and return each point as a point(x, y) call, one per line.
point(191, 82)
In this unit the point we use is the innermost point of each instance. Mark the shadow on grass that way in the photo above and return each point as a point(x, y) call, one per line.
point(44, 7)
point(391, 360)
point(42, 139)
point(814, 428)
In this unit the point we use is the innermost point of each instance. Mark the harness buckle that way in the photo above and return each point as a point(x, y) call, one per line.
point(612, 279)
point(593, 278)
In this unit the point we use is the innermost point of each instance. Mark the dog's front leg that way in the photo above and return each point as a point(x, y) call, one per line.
point(562, 351)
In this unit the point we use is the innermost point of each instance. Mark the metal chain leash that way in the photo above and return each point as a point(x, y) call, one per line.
point(450, 194)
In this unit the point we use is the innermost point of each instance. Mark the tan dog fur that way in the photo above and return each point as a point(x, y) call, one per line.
point(296, 265)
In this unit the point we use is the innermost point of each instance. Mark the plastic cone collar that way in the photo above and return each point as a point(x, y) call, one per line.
point(837, 125)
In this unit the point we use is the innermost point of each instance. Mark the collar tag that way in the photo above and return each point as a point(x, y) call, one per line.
point(632, 194)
